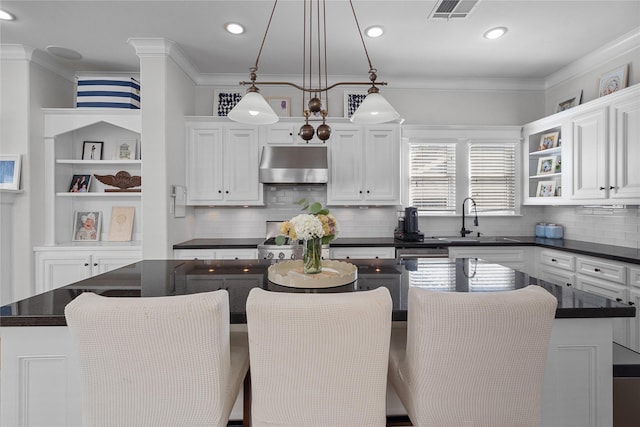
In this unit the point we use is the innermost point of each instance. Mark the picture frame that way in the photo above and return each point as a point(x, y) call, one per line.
point(352, 100)
point(549, 140)
point(546, 165)
point(80, 183)
point(10, 165)
point(92, 150)
point(86, 226)
point(546, 189)
point(121, 224)
point(127, 149)
point(225, 99)
point(613, 81)
point(281, 105)
point(571, 102)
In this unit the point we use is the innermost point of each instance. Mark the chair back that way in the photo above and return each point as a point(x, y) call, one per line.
point(319, 359)
point(475, 359)
point(161, 361)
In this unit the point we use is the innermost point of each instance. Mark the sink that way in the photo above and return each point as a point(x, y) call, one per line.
point(458, 239)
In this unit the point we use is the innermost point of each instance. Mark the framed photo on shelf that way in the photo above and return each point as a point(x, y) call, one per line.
point(546, 189)
point(571, 102)
point(86, 226)
point(92, 150)
point(352, 100)
point(613, 81)
point(121, 225)
point(80, 184)
point(225, 99)
point(549, 140)
point(281, 105)
point(546, 165)
point(127, 149)
point(10, 171)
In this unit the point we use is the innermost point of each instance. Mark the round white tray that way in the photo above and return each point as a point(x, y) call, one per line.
point(334, 273)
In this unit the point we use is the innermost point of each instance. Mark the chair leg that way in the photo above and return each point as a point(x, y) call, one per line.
point(246, 400)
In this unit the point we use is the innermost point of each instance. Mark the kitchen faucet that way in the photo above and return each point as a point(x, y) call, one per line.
point(464, 231)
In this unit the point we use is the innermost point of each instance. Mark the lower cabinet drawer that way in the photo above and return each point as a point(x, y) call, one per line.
point(558, 276)
point(558, 260)
point(603, 288)
point(363, 253)
point(602, 270)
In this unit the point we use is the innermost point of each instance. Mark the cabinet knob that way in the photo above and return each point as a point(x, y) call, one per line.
point(597, 270)
point(631, 303)
point(612, 187)
point(601, 188)
point(95, 264)
point(360, 191)
point(619, 299)
point(368, 191)
point(219, 191)
point(554, 260)
point(86, 264)
point(227, 191)
point(569, 284)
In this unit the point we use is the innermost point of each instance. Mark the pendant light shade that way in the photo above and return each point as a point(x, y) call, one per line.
point(253, 109)
point(374, 109)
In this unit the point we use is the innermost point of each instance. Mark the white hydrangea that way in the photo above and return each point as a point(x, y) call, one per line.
point(307, 226)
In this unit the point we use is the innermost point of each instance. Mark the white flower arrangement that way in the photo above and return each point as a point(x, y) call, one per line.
point(318, 223)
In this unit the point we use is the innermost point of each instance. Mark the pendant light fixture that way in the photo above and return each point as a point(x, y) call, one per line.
point(254, 109)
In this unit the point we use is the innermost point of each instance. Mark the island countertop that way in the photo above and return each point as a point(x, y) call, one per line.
point(152, 278)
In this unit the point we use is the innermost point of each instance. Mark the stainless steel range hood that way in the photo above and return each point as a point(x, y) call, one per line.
point(294, 165)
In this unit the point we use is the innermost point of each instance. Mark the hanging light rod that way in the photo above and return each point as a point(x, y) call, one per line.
point(254, 109)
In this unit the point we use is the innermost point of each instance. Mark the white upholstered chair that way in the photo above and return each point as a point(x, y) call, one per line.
point(159, 361)
point(319, 359)
point(473, 359)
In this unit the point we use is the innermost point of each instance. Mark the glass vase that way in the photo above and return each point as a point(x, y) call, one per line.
point(312, 256)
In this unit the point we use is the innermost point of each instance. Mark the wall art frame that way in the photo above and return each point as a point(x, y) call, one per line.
point(10, 165)
point(86, 226)
point(225, 99)
point(613, 81)
point(92, 150)
point(352, 100)
point(570, 102)
point(281, 105)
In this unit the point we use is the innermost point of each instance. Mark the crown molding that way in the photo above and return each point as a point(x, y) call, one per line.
point(609, 52)
point(150, 47)
point(17, 52)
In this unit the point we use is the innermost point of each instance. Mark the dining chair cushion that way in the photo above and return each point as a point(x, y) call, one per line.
point(319, 359)
point(473, 359)
point(158, 361)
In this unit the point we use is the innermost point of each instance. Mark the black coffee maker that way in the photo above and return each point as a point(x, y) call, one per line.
point(407, 229)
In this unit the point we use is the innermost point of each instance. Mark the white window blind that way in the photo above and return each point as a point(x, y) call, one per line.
point(433, 176)
point(492, 177)
point(433, 274)
point(490, 277)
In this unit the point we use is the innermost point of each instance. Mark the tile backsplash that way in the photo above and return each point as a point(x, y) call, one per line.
point(606, 225)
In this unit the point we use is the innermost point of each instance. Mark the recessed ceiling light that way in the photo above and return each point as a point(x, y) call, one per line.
point(374, 31)
point(6, 16)
point(64, 53)
point(495, 33)
point(234, 28)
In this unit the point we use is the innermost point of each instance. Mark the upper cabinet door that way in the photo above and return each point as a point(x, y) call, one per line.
point(625, 149)
point(382, 164)
point(241, 164)
point(590, 155)
point(345, 166)
point(204, 164)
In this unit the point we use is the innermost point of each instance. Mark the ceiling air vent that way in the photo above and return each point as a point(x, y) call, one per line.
point(449, 9)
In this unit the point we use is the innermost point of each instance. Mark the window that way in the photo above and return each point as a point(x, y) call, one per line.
point(433, 177)
point(443, 173)
point(492, 177)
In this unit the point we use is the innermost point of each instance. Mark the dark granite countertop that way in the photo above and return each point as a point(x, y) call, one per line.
point(175, 277)
point(615, 253)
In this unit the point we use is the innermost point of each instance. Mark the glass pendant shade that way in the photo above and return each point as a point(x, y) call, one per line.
point(374, 109)
point(253, 109)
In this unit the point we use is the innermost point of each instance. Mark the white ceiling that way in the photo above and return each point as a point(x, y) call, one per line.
point(543, 35)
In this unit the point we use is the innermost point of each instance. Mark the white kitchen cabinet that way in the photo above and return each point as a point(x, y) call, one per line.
point(285, 132)
point(557, 259)
point(512, 257)
point(363, 253)
point(598, 152)
point(364, 165)
point(222, 163)
point(247, 253)
point(62, 266)
point(589, 147)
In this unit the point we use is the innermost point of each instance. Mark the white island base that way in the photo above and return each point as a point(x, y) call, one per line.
point(41, 383)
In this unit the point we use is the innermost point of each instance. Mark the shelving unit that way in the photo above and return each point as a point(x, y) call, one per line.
point(60, 260)
point(543, 187)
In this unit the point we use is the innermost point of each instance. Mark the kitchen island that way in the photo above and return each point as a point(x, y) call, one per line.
point(41, 376)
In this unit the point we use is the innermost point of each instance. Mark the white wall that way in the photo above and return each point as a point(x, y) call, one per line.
point(26, 87)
